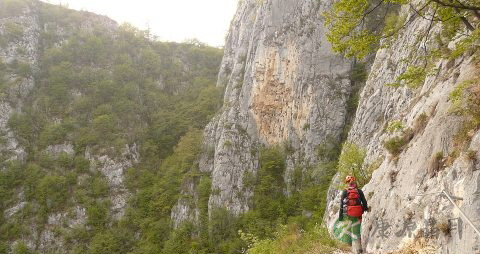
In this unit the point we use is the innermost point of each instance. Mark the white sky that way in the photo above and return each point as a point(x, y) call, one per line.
point(170, 20)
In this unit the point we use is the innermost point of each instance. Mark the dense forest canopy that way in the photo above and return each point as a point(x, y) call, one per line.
point(104, 90)
point(99, 88)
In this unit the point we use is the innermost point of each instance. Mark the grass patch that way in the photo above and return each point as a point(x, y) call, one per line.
point(352, 162)
point(228, 143)
point(465, 100)
point(292, 239)
point(472, 155)
point(444, 227)
point(420, 123)
point(394, 126)
point(420, 245)
point(397, 144)
point(436, 164)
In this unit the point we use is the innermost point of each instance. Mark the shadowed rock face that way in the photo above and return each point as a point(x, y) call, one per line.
point(396, 191)
point(283, 86)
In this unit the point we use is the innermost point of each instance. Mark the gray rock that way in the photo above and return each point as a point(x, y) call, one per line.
point(13, 210)
point(114, 169)
point(283, 86)
point(60, 148)
point(403, 192)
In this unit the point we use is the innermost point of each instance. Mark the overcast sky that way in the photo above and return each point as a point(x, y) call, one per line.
point(171, 20)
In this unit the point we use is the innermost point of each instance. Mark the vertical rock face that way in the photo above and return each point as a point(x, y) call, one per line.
point(283, 86)
point(404, 193)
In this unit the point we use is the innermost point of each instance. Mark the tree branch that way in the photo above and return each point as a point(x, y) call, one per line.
point(433, 18)
point(475, 12)
point(370, 11)
point(411, 19)
point(466, 22)
point(460, 6)
point(376, 6)
point(463, 18)
point(384, 16)
point(427, 33)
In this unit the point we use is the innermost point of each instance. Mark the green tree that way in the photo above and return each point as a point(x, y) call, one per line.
point(53, 191)
point(104, 242)
point(22, 248)
point(100, 88)
point(353, 25)
point(351, 162)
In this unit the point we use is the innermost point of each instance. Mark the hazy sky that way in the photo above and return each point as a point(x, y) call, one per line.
point(170, 20)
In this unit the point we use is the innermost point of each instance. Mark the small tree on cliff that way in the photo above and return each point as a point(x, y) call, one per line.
point(358, 27)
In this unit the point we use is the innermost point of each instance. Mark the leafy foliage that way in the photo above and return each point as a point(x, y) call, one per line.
point(352, 34)
point(13, 31)
point(157, 193)
point(398, 142)
point(351, 162)
point(356, 28)
point(292, 239)
point(395, 126)
point(465, 99)
point(100, 88)
point(10, 8)
point(359, 73)
point(395, 145)
point(342, 22)
point(413, 77)
point(268, 199)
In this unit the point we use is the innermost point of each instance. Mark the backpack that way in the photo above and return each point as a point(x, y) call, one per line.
point(353, 204)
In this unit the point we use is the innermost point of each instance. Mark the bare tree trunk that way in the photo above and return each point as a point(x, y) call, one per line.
point(467, 23)
point(461, 5)
point(463, 18)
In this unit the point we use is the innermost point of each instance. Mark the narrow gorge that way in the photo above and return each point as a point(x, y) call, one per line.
point(114, 142)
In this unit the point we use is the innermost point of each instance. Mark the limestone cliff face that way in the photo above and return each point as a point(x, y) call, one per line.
point(283, 86)
point(404, 191)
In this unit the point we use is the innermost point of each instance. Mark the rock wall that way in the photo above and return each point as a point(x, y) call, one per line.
point(404, 192)
point(114, 171)
point(283, 86)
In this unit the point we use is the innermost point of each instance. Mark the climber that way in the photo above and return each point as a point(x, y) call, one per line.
point(353, 204)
